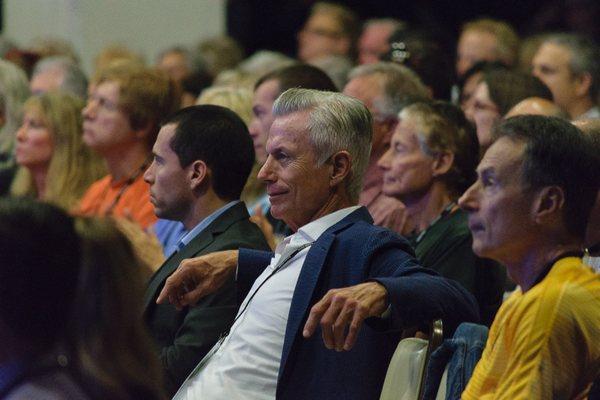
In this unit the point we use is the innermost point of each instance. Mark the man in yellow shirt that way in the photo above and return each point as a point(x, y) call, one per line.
point(528, 210)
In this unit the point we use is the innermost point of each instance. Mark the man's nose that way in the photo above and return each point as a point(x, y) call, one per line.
point(265, 173)
point(468, 200)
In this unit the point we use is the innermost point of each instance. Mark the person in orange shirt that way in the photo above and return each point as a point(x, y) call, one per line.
point(121, 121)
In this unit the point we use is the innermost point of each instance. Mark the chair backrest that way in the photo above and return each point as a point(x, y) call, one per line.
point(404, 379)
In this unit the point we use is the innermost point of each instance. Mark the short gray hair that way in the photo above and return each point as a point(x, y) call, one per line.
point(399, 84)
point(74, 80)
point(14, 90)
point(585, 57)
point(337, 122)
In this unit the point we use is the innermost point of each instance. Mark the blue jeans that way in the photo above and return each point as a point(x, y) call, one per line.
point(461, 354)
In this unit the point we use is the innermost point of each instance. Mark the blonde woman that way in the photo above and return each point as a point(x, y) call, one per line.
point(55, 165)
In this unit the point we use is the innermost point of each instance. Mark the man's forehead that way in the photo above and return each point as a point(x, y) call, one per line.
point(505, 155)
point(289, 128)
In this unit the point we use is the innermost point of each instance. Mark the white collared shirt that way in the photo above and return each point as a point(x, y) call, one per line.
point(246, 366)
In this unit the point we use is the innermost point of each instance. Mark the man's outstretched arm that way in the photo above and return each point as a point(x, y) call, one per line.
point(198, 277)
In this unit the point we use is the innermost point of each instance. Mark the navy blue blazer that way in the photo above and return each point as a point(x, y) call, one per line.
point(351, 252)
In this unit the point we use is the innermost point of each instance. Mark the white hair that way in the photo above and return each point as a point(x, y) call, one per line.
point(337, 122)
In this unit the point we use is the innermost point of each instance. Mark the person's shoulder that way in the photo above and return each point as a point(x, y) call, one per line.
point(97, 186)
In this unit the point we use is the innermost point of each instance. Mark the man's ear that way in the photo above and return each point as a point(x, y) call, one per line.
point(583, 83)
point(341, 162)
point(198, 174)
point(548, 203)
point(442, 162)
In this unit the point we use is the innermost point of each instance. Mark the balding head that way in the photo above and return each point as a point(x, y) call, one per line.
point(536, 106)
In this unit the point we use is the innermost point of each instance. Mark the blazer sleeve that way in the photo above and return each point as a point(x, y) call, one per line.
point(416, 295)
point(251, 263)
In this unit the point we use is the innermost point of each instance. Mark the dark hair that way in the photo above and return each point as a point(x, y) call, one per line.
point(108, 345)
point(483, 67)
point(422, 53)
point(507, 88)
point(299, 76)
point(219, 137)
point(196, 82)
point(556, 153)
point(39, 265)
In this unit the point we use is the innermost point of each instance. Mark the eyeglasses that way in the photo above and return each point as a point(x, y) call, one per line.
point(479, 106)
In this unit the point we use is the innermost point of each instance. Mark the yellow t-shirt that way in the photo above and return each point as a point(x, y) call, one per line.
point(545, 343)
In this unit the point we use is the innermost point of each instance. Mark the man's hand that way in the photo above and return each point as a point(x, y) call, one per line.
point(345, 309)
point(260, 219)
point(198, 277)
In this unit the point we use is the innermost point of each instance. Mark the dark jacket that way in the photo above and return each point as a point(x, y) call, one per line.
point(184, 337)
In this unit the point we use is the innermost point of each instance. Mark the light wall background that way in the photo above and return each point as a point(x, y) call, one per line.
point(145, 26)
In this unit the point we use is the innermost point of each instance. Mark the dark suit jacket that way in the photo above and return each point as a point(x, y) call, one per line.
point(184, 337)
point(351, 252)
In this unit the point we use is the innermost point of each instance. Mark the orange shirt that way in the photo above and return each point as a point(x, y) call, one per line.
point(119, 199)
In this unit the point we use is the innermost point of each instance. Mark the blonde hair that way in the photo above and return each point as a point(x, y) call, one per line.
point(507, 40)
point(73, 166)
point(238, 100)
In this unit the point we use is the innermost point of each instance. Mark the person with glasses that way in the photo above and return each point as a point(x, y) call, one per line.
point(498, 91)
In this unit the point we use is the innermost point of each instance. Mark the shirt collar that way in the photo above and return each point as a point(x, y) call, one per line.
point(195, 231)
point(313, 230)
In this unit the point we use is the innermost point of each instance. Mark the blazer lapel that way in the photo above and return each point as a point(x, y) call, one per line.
point(198, 244)
point(194, 247)
point(309, 277)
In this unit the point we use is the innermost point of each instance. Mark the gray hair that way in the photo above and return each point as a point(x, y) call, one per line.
point(399, 85)
point(337, 122)
point(74, 80)
point(585, 57)
point(14, 90)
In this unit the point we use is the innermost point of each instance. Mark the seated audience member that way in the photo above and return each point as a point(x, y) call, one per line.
point(266, 90)
point(55, 164)
point(176, 62)
point(420, 51)
point(14, 90)
point(39, 268)
point(330, 30)
point(107, 342)
point(192, 85)
point(202, 158)
point(115, 53)
point(496, 94)
point(238, 100)
point(486, 40)
point(217, 54)
point(373, 42)
point(536, 106)
point(383, 88)
point(120, 123)
point(470, 80)
point(430, 163)
point(322, 282)
point(570, 66)
point(528, 210)
point(591, 127)
point(58, 73)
